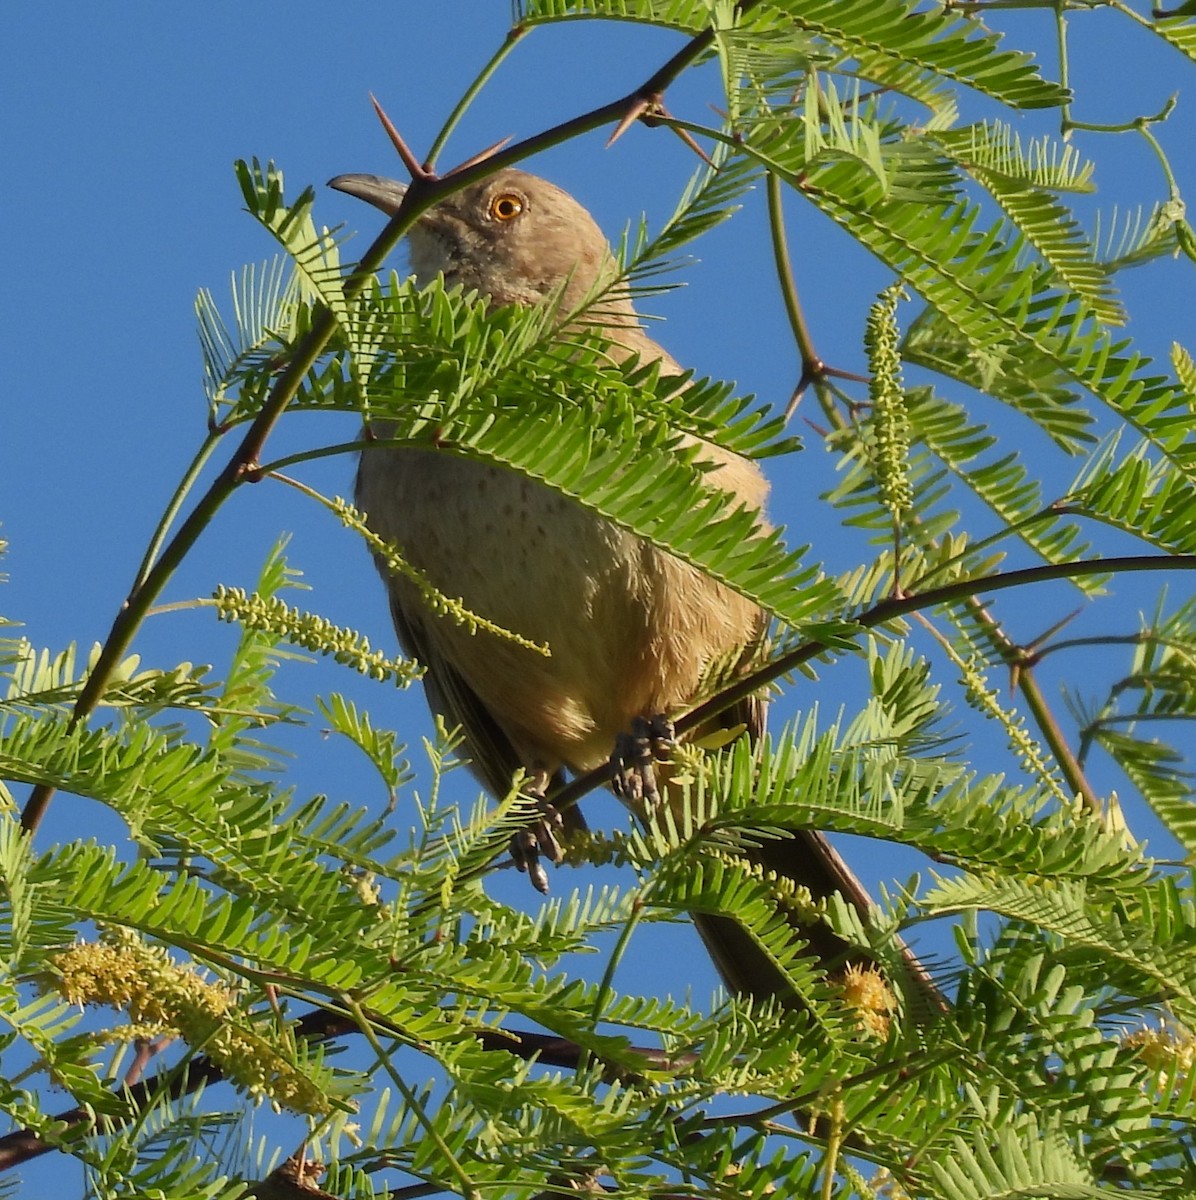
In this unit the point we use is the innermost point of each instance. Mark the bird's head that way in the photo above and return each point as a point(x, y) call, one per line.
point(513, 237)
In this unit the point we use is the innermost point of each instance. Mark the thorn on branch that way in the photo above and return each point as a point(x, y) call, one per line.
point(415, 168)
point(688, 139)
point(657, 114)
point(651, 110)
point(811, 371)
point(1031, 649)
point(636, 109)
point(481, 156)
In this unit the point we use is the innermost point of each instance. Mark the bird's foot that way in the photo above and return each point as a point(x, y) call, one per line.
point(650, 741)
point(539, 839)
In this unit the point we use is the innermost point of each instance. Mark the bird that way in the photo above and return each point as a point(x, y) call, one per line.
point(632, 629)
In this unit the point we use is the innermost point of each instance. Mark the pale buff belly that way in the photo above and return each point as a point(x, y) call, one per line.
point(631, 630)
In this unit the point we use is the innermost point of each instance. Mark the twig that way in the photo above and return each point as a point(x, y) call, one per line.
point(889, 610)
point(319, 1025)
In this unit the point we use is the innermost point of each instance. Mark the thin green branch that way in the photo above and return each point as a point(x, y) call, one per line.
point(1040, 711)
point(813, 370)
point(429, 1126)
point(277, 465)
point(811, 365)
point(176, 503)
point(1021, 664)
point(896, 1069)
point(1142, 126)
point(1057, 742)
point(834, 1143)
point(1013, 529)
point(1138, 124)
point(1135, 718)
point(1111, 639)
point(605, 987)
point(514, 35)
point(423, 193)
point(1064, 71)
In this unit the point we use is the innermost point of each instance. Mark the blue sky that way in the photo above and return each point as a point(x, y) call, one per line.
point(120, 127)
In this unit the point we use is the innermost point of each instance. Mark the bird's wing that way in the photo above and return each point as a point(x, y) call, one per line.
point(493, 759)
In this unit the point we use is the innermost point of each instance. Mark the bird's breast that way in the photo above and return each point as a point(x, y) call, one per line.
point(630, 630)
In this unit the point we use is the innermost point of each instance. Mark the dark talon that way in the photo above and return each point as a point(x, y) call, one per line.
point(663, 737)
point(650, 741)
point(546, 830)
point(539, 840)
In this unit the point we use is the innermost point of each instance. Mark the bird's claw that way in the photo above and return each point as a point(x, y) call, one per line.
point(650, 741)
point(540, 839)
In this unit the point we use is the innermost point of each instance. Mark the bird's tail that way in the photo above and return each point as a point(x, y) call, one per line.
point(806, 858)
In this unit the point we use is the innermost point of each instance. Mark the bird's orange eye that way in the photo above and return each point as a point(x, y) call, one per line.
point(506, 206)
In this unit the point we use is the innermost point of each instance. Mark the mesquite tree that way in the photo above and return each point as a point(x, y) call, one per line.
point(1008, 439)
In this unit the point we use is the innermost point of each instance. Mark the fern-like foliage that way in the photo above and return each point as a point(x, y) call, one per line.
point(1011, 423)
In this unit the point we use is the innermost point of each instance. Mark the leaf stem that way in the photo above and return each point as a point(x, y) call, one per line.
point(514, 35)
point(469, 1188)
point(176, 503)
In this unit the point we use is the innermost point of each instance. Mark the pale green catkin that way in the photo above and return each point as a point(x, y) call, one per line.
point(888, 431)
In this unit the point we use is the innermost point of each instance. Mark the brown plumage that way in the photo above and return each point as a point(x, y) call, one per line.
point(632, 630)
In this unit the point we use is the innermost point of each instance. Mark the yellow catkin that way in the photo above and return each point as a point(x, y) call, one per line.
point(869, 997)
point(162, 996)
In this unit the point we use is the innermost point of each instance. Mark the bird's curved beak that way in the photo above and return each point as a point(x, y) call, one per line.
point(383, 193)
